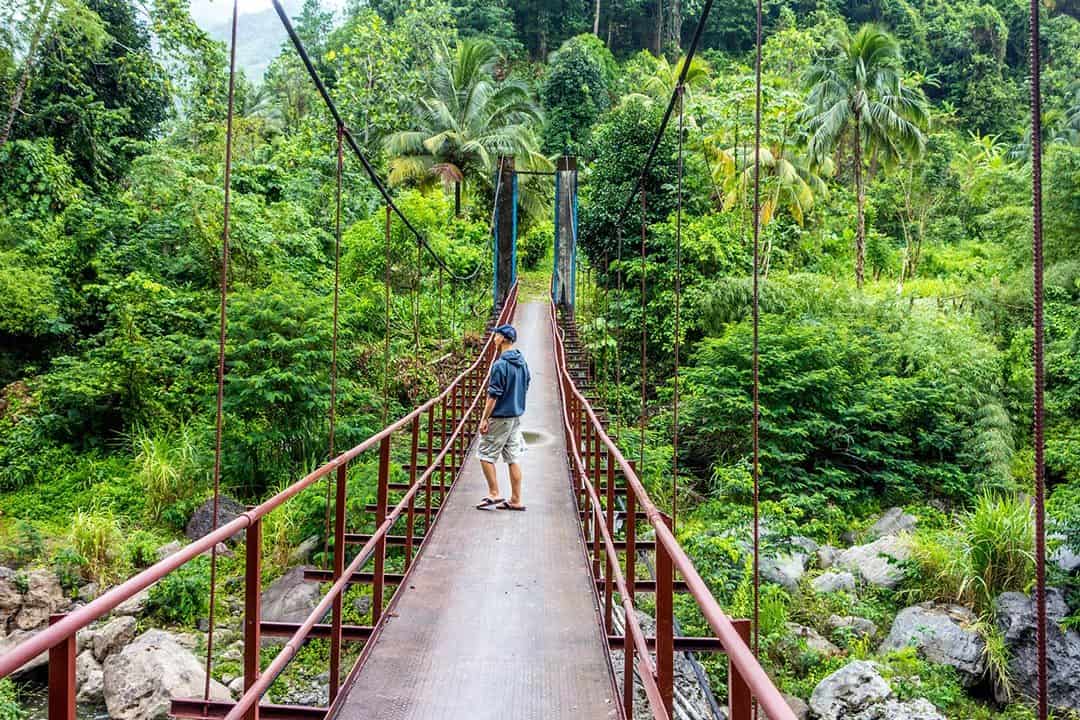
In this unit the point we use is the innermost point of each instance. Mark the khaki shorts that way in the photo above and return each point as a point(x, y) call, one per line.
point(502, 440)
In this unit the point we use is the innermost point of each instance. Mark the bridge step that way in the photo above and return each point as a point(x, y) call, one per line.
point(391, 540)
point(649, 586)
point(683, 643)
point(199, 709)
point(350, 633)
point(358, 578)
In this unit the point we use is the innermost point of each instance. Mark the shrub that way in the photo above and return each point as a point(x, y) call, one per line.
point(183, 595)
point(534, 245)
point(10, 709)
point(96, 537)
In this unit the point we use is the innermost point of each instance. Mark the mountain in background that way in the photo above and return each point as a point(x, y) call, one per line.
point(259, 34)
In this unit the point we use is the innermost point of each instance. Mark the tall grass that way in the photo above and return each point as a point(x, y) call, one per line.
point(97, 538)
point(170, 466)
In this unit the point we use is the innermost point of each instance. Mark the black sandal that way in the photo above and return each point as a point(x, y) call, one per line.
point(505, 505)
point(489, 503)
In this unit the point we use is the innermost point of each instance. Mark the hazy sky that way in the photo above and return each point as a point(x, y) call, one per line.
point(208, 13)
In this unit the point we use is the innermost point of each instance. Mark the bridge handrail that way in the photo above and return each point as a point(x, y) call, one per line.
point(743, 660)
point(101, 606)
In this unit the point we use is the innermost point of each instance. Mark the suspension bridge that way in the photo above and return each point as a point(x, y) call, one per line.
point(493, 614)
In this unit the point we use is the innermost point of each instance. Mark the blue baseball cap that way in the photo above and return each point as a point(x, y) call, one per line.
point(508, 332)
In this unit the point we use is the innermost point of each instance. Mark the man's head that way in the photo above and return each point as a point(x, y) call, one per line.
point(505, 336)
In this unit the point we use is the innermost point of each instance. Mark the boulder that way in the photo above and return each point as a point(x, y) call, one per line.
point(89, 679)
point(853, 625)
point(168, 549)
point(302, 553)
point(10, 597)
point(290, 598)
point(919, 709)
point(14, 638)
point(893, 521)
point(943, 634)
point(42, 598)
point(135, 604)
point(784, 569)
point(201, 521)
point(89, 591)
point(877, 562)
point(830, 582)
point(112, 636)
point(850, 690)
point(798, 707)
point(826, 556)
point(690, 700)
point(814, 641)
point(142, 679)
point(1017, 621)
point(1065, 557)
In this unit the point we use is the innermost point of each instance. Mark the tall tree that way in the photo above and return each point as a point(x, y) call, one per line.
point(857, 96)
point(465, 122)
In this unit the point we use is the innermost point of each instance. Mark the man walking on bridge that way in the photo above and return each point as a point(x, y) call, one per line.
point(500, 424)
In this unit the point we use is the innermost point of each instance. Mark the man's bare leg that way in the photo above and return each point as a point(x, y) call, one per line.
point(492, 479)
point(515, 483)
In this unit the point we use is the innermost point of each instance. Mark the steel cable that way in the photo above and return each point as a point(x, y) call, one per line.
point(222, 336)
point(1039, 439)
point(374, 176)
point(755, 422)
point(334, 345)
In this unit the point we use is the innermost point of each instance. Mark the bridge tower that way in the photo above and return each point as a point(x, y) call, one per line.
point(504, 233)
point(566, 211)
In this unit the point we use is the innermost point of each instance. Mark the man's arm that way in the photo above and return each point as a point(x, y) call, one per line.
point(496, 388)
point(489, 406)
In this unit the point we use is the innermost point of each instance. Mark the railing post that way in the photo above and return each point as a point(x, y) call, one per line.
point(628, 663)
point(630, 527)
point(380, 516)
point(253, 608)
point(598, 519)
point(665, 631)
point(340, 493)
point(429, 470)
point(611, 562)
point(62, 675)
point(442, 446)
point(739, 699)
point(410, 521)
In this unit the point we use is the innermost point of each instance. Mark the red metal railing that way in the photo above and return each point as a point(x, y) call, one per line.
point(455, 406)
point(586, 439)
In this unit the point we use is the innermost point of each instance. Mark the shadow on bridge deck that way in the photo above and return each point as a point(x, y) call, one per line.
point(499, 619)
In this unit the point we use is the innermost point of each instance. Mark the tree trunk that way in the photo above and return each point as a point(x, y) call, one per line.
point(860, 201)
point(596, 19)
point(675, 30)
point(457, 198)
point(24, 78)
point(659, 28)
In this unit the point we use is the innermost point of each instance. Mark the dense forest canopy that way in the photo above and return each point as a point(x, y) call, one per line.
point(896, 332)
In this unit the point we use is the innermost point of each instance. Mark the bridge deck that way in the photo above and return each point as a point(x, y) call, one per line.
point(499, 620)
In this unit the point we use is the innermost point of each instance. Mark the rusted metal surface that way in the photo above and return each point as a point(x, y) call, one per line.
point(499, 619)
point(252, 608)
point(214, 709)
point(62, 677)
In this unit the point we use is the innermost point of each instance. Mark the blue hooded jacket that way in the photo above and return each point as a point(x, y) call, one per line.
point(508, 384)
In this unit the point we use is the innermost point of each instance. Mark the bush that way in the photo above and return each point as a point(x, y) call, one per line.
point(533, 247)
point(183, 596)
point(168, 466)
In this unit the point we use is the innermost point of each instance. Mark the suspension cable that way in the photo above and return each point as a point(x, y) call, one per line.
point(334, 345)
point(678, 293)
point(756, 421)
point(644, 334)
point(222, 335)
point(386, 334)
point(687, 60)
point(1038, 360)
point(374, 176)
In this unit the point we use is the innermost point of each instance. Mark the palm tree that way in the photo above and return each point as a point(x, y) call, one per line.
point(858, 95)
point(466, 121)
point(666, 76)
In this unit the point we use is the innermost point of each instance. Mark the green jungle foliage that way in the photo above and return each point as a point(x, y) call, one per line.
point(894, 257)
